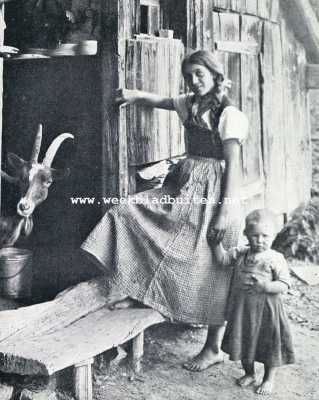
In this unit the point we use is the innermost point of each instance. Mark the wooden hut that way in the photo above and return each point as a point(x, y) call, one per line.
point(270, 49)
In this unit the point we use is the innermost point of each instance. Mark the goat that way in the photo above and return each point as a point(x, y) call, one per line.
point(34, 180)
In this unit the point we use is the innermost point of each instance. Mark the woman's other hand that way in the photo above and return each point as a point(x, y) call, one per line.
point(217, 229)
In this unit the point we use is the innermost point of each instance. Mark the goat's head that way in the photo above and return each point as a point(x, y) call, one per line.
point(34, 178)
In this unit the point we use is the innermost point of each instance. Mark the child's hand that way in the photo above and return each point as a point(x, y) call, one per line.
point(256, 285)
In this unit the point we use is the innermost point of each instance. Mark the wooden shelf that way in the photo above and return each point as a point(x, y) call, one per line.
point(40, 58)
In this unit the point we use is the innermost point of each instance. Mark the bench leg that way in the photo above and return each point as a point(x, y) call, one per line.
point(83, 380)
point(137, 351)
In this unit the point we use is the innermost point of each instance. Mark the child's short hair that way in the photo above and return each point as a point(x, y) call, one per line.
point(261, 215)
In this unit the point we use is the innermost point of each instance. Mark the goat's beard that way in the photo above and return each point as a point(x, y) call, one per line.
point(27, 226)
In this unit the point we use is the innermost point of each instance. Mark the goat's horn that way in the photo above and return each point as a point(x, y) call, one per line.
point(53, 148)
point(9, 178)
point(37, 145)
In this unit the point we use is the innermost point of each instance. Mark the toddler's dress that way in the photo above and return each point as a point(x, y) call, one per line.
point(157, 253)
point(257, 328)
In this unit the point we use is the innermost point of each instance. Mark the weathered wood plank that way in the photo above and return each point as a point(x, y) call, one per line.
point(274, 151)
point(264, 8)
point(250, 98)
point(222, 4)
point(120, 19)
point(297, 131)
point(57, 349)
point(199, 24)
point(252, 7)
point(274, 12)
point(44, 317)
point(237, 47)
point(198, 19)
point(154, 19)
point(312, 76)
point(238, 5)
point(227, 29)
point(292, 180)
point(177, 139)
point(208, 28)
point(302, 18)
point(156, 66)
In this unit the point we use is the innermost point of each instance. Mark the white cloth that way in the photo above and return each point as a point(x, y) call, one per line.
point(233, 123)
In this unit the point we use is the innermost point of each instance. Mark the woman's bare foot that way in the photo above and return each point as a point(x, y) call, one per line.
point(265, 388)
point(246, 380)
point(205, 359)
point(123, 304)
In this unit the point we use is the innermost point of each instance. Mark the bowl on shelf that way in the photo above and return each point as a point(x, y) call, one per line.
point(64, 49)
point(87, 48)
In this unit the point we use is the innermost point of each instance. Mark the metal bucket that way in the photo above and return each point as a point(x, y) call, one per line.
point(15, 272)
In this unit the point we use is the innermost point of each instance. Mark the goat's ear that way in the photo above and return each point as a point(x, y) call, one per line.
point(58, 174)
point(16, 162)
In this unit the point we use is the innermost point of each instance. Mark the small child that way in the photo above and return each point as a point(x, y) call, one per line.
point(257, 328)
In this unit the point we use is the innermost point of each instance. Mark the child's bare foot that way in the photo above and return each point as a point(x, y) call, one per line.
point(205, 359)
point(246, 380)
point(265, 388)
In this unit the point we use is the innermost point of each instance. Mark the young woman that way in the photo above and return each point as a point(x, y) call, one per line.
point(157, 253)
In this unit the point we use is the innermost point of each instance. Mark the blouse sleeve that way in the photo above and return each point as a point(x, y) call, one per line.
point(180, 104)
point(233, 124)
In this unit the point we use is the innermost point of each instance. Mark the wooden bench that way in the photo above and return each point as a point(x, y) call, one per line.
point(69, 331)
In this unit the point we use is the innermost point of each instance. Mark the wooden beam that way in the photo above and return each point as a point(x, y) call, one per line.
point(312, 76)
point(237, 47)
point(83, 380)
point(303, 20)
point(137, 351)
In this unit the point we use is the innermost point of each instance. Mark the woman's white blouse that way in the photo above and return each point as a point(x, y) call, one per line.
point(233, 123)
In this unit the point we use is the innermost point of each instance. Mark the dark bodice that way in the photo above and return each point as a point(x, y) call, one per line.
point(201, 141)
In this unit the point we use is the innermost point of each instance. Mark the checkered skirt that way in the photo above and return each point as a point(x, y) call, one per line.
point(154, 246)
